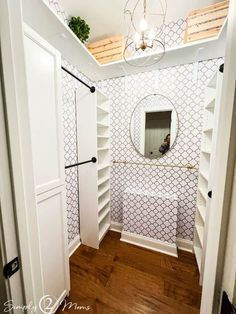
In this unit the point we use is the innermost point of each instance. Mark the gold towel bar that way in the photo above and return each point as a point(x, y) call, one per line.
point(153, 165)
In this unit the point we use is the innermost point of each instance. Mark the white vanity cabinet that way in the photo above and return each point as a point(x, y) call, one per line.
point(206, 167)
point(93, 124)
point(43, 71)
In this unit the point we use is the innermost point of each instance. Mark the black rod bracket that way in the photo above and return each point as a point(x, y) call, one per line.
point(93, 160)
point(221, 68)
point(91, 88)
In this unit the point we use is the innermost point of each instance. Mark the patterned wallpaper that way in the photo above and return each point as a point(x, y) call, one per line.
point(184, 86)
point(69, 86)
point(150, 215)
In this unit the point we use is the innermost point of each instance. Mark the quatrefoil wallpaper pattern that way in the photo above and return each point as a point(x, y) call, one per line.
point(69, 86)
point(184, 86)
point(150, 215)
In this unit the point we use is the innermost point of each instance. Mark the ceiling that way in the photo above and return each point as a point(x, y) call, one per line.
point(105, 17)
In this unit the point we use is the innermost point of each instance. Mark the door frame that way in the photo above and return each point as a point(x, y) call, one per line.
point(224, 170)
point(13, 291)
point(17, 116)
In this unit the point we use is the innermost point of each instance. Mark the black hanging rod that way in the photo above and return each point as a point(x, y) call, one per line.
point(93, 159)
point(92, 88)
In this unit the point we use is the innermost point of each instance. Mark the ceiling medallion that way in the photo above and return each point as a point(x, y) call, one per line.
point(145, 18)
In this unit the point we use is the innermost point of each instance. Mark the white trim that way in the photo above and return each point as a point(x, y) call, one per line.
point(116, 226)
point(184, 245)
point(148, 243)
point(74, 244)
point(58, 302)
point(12, 49)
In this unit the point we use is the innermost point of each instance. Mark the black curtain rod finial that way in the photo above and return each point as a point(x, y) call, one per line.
point(92, 89)
point(221, 68)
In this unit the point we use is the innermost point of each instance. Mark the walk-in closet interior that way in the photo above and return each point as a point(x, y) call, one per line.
point(118, 136)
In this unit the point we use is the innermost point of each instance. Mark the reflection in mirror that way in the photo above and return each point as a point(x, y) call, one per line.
point(154, 125)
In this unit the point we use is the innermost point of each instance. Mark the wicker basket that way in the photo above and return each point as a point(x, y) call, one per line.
point(108, 50)
point(206, 22)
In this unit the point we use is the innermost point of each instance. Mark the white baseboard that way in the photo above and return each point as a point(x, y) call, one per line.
point(73, 246)
point(58, 302)
point(182, 244)
point(148, 243)
point(116, 226)
point(185, 245)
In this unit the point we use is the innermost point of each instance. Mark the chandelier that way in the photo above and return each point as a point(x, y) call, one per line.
point(144, 46)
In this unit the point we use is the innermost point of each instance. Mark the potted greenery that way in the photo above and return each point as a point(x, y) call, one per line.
point(80, 28)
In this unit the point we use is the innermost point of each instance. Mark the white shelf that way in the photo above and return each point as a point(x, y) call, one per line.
point(103, 148)
point(203, 192)
point(102, 125)
point(200, 233)
point(102, 204)
point(208, 130)
point(206, 151)
point(202, 212)
point(212, 81)
point(101, 98)
point(205, 175)
point(103, 191)
point(103, 215)
point(102, 110)
point(103, 137)
point(103, 166)
point(210, 48)
point(103, 180)
point(103, 231)
point(210, 105)
point(39, 15)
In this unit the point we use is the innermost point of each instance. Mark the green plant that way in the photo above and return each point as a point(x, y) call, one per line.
point(80, 28)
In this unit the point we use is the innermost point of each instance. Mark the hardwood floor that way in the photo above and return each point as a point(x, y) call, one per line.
point(122, 278)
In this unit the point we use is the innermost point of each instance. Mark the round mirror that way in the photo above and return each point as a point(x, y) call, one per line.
point(154, 126)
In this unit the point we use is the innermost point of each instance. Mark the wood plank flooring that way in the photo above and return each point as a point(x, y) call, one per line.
point(121, 278)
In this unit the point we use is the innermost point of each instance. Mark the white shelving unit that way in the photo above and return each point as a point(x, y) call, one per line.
point(103, 168)
point(94, 178)
point(206, 173)
point(58, 34)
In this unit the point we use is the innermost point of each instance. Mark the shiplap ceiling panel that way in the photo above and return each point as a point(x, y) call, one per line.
point(106, 17)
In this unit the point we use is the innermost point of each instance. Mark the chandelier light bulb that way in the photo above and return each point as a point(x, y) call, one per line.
point(143, 25)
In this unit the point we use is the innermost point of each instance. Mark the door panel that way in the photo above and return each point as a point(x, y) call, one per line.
point(50, 205)
point(43, 69)
point(45, 130)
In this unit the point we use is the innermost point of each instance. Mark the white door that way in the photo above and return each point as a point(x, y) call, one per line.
point(11, 289)
point(43, 72)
